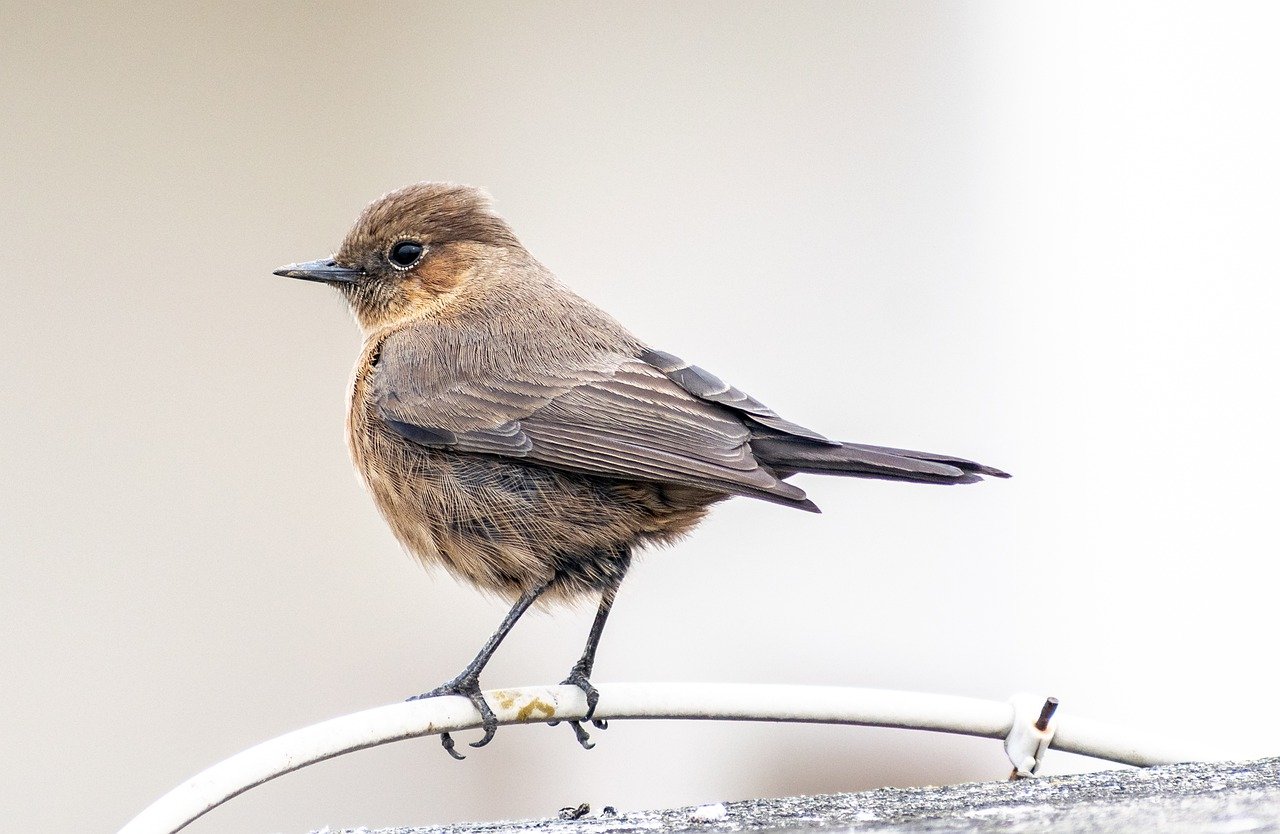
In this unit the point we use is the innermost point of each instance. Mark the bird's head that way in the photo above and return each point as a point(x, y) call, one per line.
point(410, 251)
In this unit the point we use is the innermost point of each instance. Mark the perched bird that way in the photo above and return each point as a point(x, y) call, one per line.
point(519, 436)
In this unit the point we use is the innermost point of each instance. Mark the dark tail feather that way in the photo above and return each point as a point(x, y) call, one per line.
point(789, 455)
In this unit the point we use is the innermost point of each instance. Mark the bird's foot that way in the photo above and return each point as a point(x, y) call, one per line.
point(468, 686)
point(578, 677)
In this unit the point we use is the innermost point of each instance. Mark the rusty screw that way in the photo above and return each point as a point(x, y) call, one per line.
point(1046, 713)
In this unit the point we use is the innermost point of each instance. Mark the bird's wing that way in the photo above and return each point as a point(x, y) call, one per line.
point(707, 386)
point(610, 415)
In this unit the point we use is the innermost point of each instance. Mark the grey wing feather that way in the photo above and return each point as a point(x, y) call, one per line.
point(616, 417)
point(709, 387)
point(647, 428)
point(507, 439)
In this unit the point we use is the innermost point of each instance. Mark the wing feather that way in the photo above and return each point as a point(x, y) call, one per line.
point(613, 416)
point(707, 386)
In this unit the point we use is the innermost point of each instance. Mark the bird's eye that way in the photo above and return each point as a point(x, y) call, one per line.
point(405, 254)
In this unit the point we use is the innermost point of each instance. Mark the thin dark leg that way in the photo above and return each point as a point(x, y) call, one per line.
point(580, 674)
point(467, 683)
point(587, 662)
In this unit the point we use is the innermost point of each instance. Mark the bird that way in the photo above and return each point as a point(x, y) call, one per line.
point(518, 435)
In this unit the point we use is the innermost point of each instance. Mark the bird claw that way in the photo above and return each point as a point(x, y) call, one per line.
point(584, 738)
point(578, 677)
point(446, 741)
point(469, 688)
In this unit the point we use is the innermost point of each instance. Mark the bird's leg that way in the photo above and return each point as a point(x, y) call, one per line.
point(580, 674)
point(467, 683)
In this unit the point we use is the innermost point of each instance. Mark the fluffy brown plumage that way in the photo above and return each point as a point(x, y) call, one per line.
point(522, 438)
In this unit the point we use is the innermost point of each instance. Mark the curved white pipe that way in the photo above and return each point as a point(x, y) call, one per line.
point(539, 704)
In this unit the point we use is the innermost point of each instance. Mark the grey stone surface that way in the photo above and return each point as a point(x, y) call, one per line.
point(1210, 798)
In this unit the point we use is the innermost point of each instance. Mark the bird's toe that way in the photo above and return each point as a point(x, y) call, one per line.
point(468, 687)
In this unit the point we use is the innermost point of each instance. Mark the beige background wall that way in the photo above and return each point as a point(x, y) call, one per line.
point(1039, 234)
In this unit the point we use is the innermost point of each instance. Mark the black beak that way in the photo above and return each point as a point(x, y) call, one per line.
point(326, 271)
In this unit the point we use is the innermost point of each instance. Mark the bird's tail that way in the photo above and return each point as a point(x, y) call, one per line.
point(789, 455)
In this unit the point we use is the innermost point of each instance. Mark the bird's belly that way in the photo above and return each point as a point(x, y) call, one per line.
point(507, 526)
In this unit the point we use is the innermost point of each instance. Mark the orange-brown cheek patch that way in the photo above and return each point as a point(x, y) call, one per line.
point(444, 270)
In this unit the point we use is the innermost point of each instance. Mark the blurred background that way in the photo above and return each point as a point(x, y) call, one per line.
point(1042, 235)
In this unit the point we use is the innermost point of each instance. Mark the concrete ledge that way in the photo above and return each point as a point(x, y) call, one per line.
point(1195, 797)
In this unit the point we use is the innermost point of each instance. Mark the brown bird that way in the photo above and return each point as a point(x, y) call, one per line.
point(519, 436)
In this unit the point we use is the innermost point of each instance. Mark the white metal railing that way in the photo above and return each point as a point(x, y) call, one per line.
point(1029, 726)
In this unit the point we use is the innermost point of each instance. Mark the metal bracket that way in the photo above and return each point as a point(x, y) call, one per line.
point(1029, 737)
